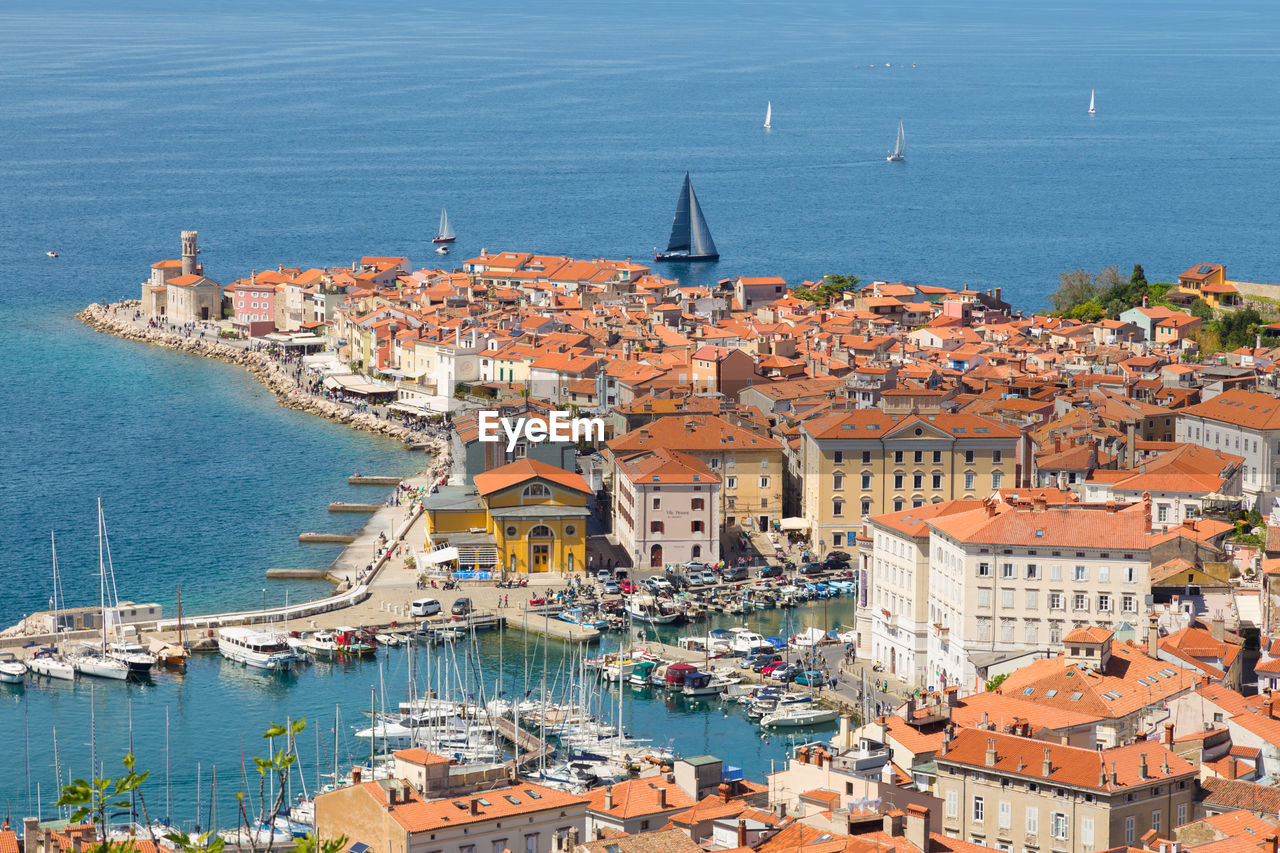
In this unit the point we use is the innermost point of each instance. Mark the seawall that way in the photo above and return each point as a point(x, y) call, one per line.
point(275, 378)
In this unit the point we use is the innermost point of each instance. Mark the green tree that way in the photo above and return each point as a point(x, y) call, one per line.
point(1201, 309)
point(1074, 288)
point(1239, 328)
point(1138, 277)
point(828, 289)
point(995, 681)
point(1087, 312)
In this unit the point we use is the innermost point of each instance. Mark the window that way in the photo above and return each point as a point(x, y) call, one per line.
point(1129, 604)
point(531, 843)
point(1058, 826)
point(837, 508)
point(1032, 820)
point(1182, 814)
point(1155, 819)
point(1032, 635)
point(937, 481)
point(866, 457)
point(897, 457)
point(1033, 572)
point(917, 457)
point(655, 527)
point(1128, 830)
point(1162, 512)
point(898, 504)
point(997, 456)
point(1086, 832)
point(696, 526)
point(731, 482)
point(968, 481)
point(984, 570)
point(696, 551)
point(1055, 601)
point(897, 481)
point(1104, 574)
point(866, 506)
point(837, 481)
point(968, 456)
point(1033, 599)
point(499, 844)
point(1006, 570)
point(937, 457)
point(657, 503)
point(838, 457)
point(697, 503)
point(1104, 603)
point(1055, 632)
point(536, 490)
point(1006, 598)
point(953, 808)
point(996, 478)
point(866, 480)
point(1081, 573)
point(984, 598)
point(984, 630)
point(917, 480)
point(979, 810)
point(1081, 601)
point(1130, 574)
point(1005, 815)
point(764, 482)
point(1006, 631)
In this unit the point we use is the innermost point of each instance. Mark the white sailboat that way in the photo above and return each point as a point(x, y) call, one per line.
point(53, 663)
point(899, 152)
point(768, 116)
point(96, 661)
point(1092, 110)
point(445, 233)
point(12, 670)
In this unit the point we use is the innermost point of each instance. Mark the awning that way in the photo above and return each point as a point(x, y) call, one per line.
point(440, 555)
point(795, 524)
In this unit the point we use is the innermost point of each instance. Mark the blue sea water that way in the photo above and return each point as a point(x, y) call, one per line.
point(310, 133)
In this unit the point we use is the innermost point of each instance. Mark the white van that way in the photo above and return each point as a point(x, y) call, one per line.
point(425, 607)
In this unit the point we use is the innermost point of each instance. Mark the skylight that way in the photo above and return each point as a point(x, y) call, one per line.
point(1028, 691)
point(533, 794)
point(1050, 693)
point(512, 800)
point(1075, 697)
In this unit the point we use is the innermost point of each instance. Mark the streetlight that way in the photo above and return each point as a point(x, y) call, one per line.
point(264, 604)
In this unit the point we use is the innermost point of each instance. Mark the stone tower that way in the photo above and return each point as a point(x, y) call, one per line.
point(189, 253)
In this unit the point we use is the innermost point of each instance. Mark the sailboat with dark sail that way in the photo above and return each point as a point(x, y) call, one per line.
point(690, 236)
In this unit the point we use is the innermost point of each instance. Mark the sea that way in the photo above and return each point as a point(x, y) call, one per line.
point(312, 132)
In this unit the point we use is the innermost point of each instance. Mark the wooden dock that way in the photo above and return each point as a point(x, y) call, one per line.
point(532, 748)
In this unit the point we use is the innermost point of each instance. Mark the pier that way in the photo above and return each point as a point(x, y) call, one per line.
point(364, 480)
point(297, 574)
point(530, 747)
point(341, 506)
point(544, 621)
point(326, 538)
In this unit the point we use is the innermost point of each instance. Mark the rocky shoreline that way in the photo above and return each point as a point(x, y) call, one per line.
point(111, 320)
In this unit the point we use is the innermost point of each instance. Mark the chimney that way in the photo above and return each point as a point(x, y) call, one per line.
point(1115, 778)
point(1168, 735)
point(893, 823)
point(662, 798)
point(918, 826)
point(475, 805)
point(1047, 767)
point(725, 792)
point(991, 752)
point(986, 722)
point(1153, 636)
point(608, 798)
point(1217, 628)
point(355, 775)
point(30, 832)
point(1269, 844)
point(742, 833)
point(393, 793)
point(1142, 766)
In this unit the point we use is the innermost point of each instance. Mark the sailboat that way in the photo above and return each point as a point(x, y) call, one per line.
point(768, 116)
point(1092, 111)
point(899, 152)
point(97, 661)
point(51, 662)
point(690, 237)
point(445, 233)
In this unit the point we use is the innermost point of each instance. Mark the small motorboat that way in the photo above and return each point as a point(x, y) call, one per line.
point(389, 639)
point(52, 254)
point(442, 250)
point(12, 670)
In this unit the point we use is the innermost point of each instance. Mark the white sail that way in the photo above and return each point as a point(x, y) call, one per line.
point(768, 115)
point(446, 231)
point(899, 152)
point(1091, 109)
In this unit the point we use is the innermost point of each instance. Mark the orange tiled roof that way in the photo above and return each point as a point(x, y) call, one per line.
point(523, 470)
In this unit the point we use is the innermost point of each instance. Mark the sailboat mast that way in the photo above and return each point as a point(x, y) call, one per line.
point(102, 581)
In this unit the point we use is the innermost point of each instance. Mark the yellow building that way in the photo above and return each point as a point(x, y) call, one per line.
point(527, 516)
point(1208, 282)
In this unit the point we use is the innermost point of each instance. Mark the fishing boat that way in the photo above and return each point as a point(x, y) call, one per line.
point(768, 116)
point(354, 641)
point(51, 253)
point(445, 233)
point(578, 616)
point(648, 609)
point(12, 670)
point(260, 649)
point(1092, 109)
point(390, 640)
point(899, 152)
point(690, 237)
point(641, 674)
point(798, 716)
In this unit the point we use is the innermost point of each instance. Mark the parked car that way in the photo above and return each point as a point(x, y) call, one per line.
point(425, 607)
point(708, 577)
point(759, 662)
point(771, 572)
point(812, 569)
point(785, 674)
point(695, 566)
point(602, 575)
point(612, 588)
point(809, 678)
point(461, 607)
point(767, 669)
point(658, 585)
point(626, 586)
point(736, 573)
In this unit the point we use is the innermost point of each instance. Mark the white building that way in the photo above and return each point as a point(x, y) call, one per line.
point(667, 508)
point(1246, 424)
point(1014, 577)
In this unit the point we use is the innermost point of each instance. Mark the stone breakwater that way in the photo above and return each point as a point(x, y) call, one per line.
point(113, 319)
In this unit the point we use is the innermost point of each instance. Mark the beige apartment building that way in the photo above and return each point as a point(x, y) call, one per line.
point(869, 462)
point(1013, 577)
point(1018, 794)
point(748, 464)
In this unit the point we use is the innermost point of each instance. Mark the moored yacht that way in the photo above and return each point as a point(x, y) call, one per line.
point(261, 649)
